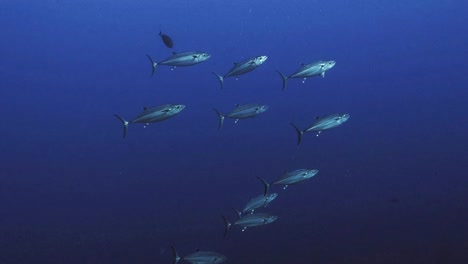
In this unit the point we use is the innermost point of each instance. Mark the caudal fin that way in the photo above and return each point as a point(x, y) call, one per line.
point(176, 255)
point(125, 124)
point(221, 118)
point(220, 78)
point(299, 133)
point(153, 64)
point(228, 225)
point(266, 186)
point(239, 213)
point(285, 78)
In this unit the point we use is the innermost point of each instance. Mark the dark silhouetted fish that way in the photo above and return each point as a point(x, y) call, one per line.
point(242, 112)
point(290, 178)
point(309, 70)
point(167, 40)
point(242, 67)
point(180, 59)
point(152, 115)
point(322, 123)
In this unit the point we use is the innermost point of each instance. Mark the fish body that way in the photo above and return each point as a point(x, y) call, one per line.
point(257, 202)
point(323, 123)
point(182, 59)
point(309, 70)
point(204, 257)
point(250, 220)
point(166, 39)
point(153, 115)
point(200, 257)
point(242, 112)
point(242, 67)
point(290, 178)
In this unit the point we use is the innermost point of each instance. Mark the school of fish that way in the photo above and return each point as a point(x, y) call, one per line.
point(247, 217)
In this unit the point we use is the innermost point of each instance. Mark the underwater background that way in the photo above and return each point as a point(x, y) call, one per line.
point(392, 186)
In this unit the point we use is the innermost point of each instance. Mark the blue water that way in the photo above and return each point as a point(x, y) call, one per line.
point(392, 186)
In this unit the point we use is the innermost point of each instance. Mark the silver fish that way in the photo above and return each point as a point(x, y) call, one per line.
point(152, 115)
point(242, 112)
point(242, 67)
point(322, 123)
point(257, 202)
point(250, 220)
point(309, 70)
point(200, 257)
point(290, 178)
point(181, 59)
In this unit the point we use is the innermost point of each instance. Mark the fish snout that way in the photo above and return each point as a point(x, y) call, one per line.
point(263, 59)
point(180, 107)
point(345, 117)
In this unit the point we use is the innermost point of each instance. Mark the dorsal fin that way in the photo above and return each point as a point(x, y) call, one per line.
point(317, 117)
point(237, 104)
point(174, 53)
point(145, 108)
point(197, 249)
point(235, 63)
point(302, 64)
point(285, 172)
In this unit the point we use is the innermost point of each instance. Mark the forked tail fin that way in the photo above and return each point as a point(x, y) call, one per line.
point(176, 255)
point(125, 124)
point(153, 64)
point(221, 118)
point(239, 213)
point(284, 79)
point(299, 133)
point(228, 225)
point(266, 185)
point(220, 78)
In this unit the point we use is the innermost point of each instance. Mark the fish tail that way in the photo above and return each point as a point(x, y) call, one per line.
point(220, 78)
point(221, 118)
point(125, 124)
point(237, 212)
point(285, 78)
point(266, 185)
point(153, 64)
point(228, 225)
point(299, 133)
point(176, 255)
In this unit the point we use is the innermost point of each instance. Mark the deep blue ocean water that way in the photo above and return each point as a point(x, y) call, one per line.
point(392, 186)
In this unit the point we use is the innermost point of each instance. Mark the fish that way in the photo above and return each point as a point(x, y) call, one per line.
point(167, 40)
point(242, 67)
point(241, 112)
point(200, 257)
point(290, 178)
point(250, 220)
point(180, 59)
point(152, 115)
point(321, 124)
point(317, 68)
point(257, 202)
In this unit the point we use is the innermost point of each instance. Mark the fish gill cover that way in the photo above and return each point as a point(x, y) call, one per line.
point(385, 91)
